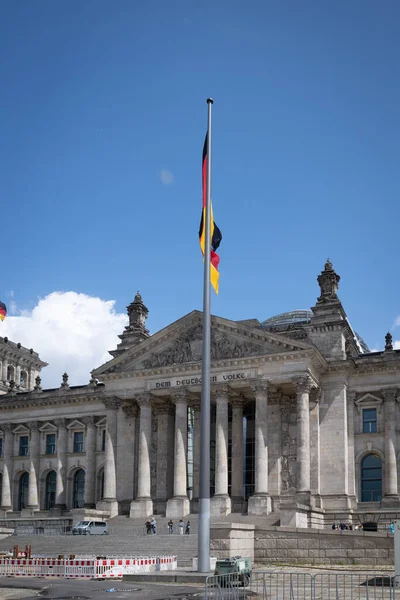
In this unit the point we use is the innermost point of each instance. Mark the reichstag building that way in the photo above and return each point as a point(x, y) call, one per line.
point(304, 422)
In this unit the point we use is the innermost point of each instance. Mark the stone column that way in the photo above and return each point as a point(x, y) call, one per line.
point(17, 375)
point(221, 502)
point(178, 506)
point(4, 369)
point(109, 501)
point(260, 502)
point(90, 450)
point(142, 506)
point(303, 388)
point(391, 494)
point(61, 479)
point(34, 452)
point(237, 452)
point(8, 441)
point(196, 457)
point(165, 414)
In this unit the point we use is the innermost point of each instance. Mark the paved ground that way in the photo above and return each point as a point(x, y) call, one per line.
point(86, 590)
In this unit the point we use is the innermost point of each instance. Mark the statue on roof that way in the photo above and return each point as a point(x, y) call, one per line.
point(329, 283)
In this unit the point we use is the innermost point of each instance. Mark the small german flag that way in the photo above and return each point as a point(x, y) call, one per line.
point(3, 311)
point(215, 233)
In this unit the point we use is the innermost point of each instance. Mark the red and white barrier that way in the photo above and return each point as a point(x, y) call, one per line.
point(85, 568)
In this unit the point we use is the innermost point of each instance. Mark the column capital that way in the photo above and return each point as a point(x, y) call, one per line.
point(33, 425)
point(389, 394)
point(237, 400)
point(130, 410)
point(260, 387)
point(220, 392)
point(88, 421)
point(144, 399)
point(351, 396)
point(179, 396)
point(111, 403)
point(60, 423)
point(304, 384)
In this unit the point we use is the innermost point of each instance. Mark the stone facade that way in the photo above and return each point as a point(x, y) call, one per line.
point(19, 367)
point(304, 422)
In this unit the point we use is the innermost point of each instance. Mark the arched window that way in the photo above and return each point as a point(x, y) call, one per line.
point(371, 478)
point(10, 373)
point(78, 496)
point(1, 487)
point(23, 379)
point(50, 492)
point(23, 488)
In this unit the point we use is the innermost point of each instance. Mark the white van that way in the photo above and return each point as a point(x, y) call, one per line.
point(91, 528)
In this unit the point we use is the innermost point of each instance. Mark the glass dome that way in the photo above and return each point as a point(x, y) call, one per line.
point(288, 318)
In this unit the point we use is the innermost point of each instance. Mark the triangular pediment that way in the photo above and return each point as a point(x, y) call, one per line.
point(181, 343)
point(75, 424)
point(48, 428)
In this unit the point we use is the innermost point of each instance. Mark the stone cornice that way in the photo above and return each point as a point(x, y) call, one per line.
point(36, 400)
point(242, 363)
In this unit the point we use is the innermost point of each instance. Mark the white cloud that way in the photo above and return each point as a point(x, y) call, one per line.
point(396, 345)
point(166, 177)
point(72, 332)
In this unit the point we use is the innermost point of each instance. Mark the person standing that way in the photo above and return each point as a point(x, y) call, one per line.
point(181, 526)
point(170, 526)
point(153, 526)
point(187, 528)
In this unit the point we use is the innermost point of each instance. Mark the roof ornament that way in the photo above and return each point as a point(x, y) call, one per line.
point(138, 312)
point(65, 384)
point(388, 342)
point(38, 387)
point(11, 389)
point(329, 283)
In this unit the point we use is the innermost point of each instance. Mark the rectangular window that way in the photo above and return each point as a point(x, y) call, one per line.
point(78, 442)
point(51, 443)
point(369, 420)
point(23, 445)
point(103, 440)
point(1, 446)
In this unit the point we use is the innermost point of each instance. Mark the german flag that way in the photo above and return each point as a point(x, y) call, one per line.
point(3, 311)
point(215, 233)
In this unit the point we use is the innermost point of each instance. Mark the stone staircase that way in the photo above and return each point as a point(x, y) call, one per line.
point(128, 537)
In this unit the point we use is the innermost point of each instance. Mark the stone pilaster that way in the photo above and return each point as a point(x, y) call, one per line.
point(109, 501)
point(260, 502)
point(179, 506)
point(315, 484)
point(90, 475)
point(6, 501)
point(351, 396)
point(237, 451)
point(62, 448)
point(17, 375)
point(391, 494)
point(34, 451)
point(303, 388)
point(221, 502)
point(142, 506)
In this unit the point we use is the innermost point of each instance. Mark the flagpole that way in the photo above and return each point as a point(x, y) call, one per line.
point(204, 484)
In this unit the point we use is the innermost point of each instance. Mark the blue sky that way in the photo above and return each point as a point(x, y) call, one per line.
point(99, 98)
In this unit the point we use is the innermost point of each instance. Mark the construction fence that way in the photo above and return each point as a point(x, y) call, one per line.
point(271, 585)
point(84, 568)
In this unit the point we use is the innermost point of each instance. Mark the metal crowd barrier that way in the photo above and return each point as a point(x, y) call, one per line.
point(272, 585)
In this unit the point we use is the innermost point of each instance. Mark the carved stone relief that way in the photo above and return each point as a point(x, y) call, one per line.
point(188, 347)
point(289, 445)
